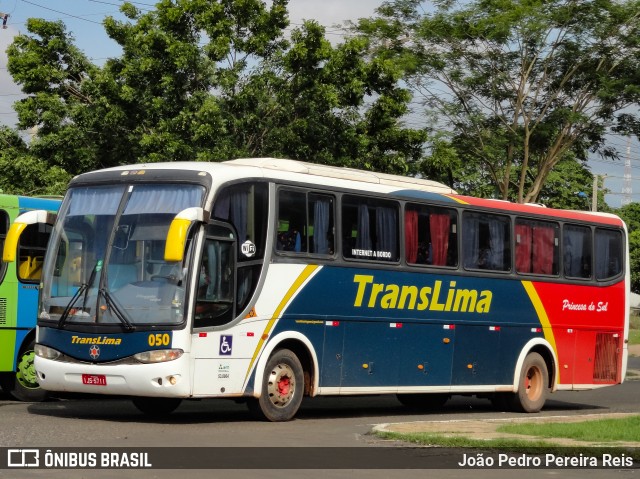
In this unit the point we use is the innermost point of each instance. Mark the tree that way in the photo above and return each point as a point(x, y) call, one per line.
point(209, 81)
point(23, 173)
point(520, 85)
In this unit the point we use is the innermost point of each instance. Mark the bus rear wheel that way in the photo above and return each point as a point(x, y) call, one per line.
point(533, 386)
point(156, 407)
point(282, 388)
point(23, 383)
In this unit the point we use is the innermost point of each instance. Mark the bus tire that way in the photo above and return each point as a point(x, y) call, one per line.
point(282, 388)
point(23, 383)
point(156, 407)
point(533, 385)
point(423, 402)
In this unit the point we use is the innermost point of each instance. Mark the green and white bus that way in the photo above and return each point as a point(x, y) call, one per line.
point(19, 285)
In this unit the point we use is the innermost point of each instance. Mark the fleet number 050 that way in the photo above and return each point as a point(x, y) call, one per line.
point(159, 339)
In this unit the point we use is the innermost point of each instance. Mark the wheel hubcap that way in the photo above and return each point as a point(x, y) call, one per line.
point(26, 374)
point(534, 384)
point(281, 386)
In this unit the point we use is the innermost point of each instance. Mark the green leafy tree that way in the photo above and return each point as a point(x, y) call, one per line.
point(521, 85)
point(210, 80)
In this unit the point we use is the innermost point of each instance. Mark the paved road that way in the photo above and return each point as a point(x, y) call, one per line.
point(322, 422)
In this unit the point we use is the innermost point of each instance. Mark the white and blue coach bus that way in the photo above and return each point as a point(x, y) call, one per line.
point(269, 280)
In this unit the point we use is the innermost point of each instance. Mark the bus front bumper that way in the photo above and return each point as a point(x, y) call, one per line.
point(166, 379)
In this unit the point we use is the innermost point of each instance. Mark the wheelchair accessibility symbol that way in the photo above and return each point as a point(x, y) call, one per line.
point(226, 344)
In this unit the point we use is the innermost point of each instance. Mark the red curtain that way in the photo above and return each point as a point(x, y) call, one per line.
point(543, 246)
point(411, 235)
point(439, 229)
point(523, 248)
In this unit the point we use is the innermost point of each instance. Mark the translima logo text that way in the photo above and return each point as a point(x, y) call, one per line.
point(96, 340)
point(433, 298)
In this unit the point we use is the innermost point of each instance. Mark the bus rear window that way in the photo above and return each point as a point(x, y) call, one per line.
point(609, 253)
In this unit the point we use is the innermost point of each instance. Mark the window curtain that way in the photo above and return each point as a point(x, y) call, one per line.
point(543, 246)
point(573, 246)
point(163, 199)
point(439, 229)
point(523, 248)
point(238, 205)
point(363, 237)
point(86, 201)
point(411, 236)
point(471, 242)
point(387, 231)
point(321, 226)
point(496, 244)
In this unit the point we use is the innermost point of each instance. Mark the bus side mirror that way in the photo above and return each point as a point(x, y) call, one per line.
point(177, 234)
point(18, 226)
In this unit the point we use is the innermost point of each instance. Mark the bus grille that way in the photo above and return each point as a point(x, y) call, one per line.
point(3, 311)
point(606, 364)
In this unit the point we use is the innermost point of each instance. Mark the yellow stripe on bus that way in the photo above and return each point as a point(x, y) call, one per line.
point(308, 271)
point(542, 314)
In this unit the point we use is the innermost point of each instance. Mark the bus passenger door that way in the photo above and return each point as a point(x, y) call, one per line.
point(426, 354)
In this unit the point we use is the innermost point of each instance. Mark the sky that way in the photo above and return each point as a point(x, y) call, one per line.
point(83, 19)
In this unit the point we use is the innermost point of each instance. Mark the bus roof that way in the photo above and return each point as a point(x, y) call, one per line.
point(403, 186)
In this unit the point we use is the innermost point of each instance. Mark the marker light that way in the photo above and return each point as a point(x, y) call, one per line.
point(158, 355)
point(46, 352)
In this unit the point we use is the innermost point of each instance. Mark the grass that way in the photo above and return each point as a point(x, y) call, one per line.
point(601, 430)
point(634, 329)
point(606, 433)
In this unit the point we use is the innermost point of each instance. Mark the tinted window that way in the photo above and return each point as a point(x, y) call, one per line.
point(486, 242)
point(305, 222)
point(430, 235)
point(577, 251)
point(370, 229)
point(537, 247)
point(609, 258)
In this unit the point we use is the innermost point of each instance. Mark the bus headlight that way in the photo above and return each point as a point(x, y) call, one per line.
point(158, 355)
point(46, 352)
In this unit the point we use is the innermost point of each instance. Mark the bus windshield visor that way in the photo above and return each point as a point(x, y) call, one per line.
point(105, 262)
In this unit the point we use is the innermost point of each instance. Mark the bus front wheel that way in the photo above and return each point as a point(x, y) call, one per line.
point(533, 386)
point(23, 383)
point(282, 388)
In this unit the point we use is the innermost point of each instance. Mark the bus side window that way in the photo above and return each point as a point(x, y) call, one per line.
point(486, 241)
point(608, 253)
point(537, 247)
point(4, 228)
point(305, 222)
point(430, 235)
point(31, 248)
point(370, 229)
point(577, 251)
point(292, 222)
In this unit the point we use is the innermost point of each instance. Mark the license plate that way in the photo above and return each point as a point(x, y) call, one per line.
point(94, 379)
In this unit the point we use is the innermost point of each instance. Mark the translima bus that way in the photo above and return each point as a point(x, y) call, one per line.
point(19, 284)
point(269, 280)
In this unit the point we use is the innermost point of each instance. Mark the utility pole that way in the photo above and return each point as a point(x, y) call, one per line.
point(626, 188)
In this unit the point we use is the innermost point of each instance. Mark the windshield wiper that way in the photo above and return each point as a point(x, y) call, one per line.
point(84, 288)
point(111, 304)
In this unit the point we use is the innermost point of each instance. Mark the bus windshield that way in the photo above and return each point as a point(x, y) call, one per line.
point(106, 263)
